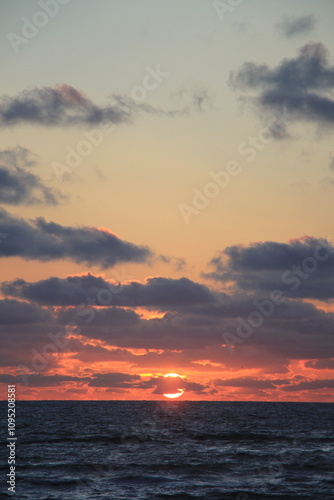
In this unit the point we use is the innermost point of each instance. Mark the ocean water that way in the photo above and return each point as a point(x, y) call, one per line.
point(126, 450)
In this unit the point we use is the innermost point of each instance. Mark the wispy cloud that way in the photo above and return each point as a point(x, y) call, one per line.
point(295, 26)
point(66, 106)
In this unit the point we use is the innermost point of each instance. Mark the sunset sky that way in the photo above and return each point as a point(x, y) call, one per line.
point(166, 183)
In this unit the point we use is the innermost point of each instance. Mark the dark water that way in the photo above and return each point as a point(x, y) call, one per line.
point(173, 450)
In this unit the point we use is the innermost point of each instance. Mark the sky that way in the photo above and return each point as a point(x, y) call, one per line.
point(166, 190)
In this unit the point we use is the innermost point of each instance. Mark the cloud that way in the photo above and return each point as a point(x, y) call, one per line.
point(158, 292)
point(39, 380)
point(110, 380)
point(8, 379)
point(302, 268)
point(103, 317)
point(44, 241)
point(88, 353)
point(294, 331)
point(197, 98)
point(63, 105)
point(190, 338)
point(19, 187)
point(166, 345)
point(178, 262)
point(66, 106)
point(310, 385)
point(248, 382)
point(301, 86)
point(16, 312)
point(114, 380)
point(320, 364)
point(290, 27)
point(172, 385)
point(189, 335)
point(106, 380)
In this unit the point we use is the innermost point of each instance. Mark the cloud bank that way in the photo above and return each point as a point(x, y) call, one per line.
point(157, 292)
point(60, 335)
point(302, 268)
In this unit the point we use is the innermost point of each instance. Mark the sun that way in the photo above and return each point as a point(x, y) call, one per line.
point(179, 390)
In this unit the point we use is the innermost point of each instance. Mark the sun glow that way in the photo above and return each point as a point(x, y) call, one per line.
point(173, 396)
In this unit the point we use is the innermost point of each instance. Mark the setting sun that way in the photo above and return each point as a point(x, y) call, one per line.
point(176, 380)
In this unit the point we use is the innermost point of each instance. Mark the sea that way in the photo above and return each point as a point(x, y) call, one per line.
point(171, 450)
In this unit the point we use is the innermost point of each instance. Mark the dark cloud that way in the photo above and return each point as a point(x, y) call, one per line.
point(294, 331)
point(16, 312)
point(102, 317)
point(310, 385)
point(168, 332)
point(42, 240)
point(40, 380)
point(302, 86)
point(111, 380)
point(296, 26)
point(249, 382)
point(302, 268)
point(321, 364)
point(66, 106)
point(97, 380)
point(22, 344)
point(6, 378)
point(173, 385)
point(241, 304)
point(157, 292)
point(63, 105)
point(196, 387)
point(124, 380)
point(189, 338)
point(20, 187)
point(163, 385)
point(106, 380)
point(88, 353)
point(190, 333)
